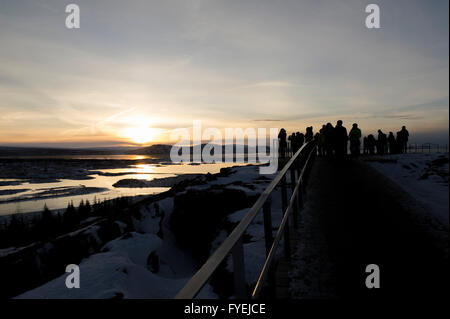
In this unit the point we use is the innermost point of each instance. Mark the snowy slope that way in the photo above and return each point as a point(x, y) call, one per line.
point(120, 270)
point(423, 176)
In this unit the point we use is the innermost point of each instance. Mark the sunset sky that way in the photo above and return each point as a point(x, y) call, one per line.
point(137, 69)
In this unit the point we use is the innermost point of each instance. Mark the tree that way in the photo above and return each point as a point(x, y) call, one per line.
point(71, 219)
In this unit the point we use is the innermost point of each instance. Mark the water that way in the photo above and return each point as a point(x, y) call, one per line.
point(139, 171)
point(83, 157)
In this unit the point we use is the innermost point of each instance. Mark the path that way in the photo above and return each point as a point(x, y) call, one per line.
point(362, 222)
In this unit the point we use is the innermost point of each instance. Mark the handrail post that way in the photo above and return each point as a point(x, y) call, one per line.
point(239, 270)
point(267, 211)
point(298, 165)
point(287, 241)
point(293, 185)
point(287, 248)
point(283, 193)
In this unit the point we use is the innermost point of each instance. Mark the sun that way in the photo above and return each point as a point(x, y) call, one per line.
point(140, 134)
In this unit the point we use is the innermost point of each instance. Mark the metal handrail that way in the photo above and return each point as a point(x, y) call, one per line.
point(292, 202)
point(233, 243)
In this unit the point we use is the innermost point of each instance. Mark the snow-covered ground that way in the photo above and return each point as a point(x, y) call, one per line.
point(121, 268)
point(424, 176)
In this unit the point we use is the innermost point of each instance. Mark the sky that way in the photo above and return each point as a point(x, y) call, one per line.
point(135, 70)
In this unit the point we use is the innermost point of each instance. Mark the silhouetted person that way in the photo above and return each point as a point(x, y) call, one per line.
point(329, 139)
point(321, 143)
point(309, 134)
point(365, 145)
point(392, 143)
point(399, 142)
point(403, 144)
point(371, 142)
point(354, 136)
point(316, 139)
point(293, 141)
point(340, 139)
point(282, 142)
point(382, 143)
point(300, 139)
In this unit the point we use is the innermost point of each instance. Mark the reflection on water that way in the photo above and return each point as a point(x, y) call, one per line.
point(61, 202)
point(172, 169)
point(84, 157)
point(140, 171)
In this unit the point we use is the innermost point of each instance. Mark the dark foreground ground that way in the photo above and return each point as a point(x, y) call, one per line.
point(363, 218)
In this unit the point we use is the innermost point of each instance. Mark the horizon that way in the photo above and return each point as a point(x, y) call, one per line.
point(133, 72)
point(432, 138)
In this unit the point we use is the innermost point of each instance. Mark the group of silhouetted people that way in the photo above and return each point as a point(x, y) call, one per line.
point(296, 140)
point(333, 141)
point(387, 144)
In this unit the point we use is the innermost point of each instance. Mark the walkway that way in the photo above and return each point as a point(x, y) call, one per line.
point(362, 222)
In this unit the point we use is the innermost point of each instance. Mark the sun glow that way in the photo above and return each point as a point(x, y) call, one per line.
point(140, 135)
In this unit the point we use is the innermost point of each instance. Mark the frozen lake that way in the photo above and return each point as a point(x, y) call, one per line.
point(23, 196)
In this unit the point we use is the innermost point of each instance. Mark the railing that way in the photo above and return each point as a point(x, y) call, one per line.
point(427, 148)
point(298, 165)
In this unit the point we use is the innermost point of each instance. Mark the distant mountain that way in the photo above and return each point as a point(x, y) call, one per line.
point(157, 149)
point(38, 151)
point(164, 149)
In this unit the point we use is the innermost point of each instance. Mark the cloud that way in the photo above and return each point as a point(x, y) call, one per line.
point(226, 63)
point(267, 120)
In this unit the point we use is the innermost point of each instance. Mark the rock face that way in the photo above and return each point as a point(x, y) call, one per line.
point(153, 262)
point(158, 182)
point(198, 214)
point(132, 183)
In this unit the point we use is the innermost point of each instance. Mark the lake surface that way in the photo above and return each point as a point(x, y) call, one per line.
point(83, 157)
point(138, 171)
